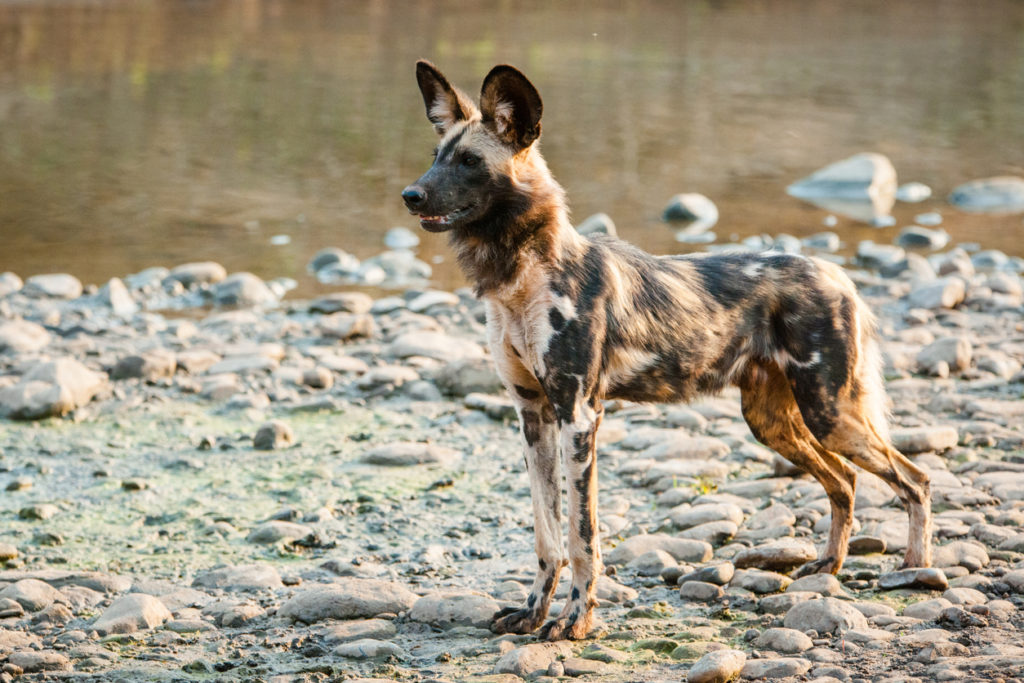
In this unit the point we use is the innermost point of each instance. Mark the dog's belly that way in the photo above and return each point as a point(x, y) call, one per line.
point(677, 375)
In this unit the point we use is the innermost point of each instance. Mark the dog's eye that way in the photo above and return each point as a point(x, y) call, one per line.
point(470, 160)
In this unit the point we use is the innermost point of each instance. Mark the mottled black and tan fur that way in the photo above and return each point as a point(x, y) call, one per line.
point(572, 321)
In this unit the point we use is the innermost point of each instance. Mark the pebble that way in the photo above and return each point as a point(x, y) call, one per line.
point(956, 352)
point(531, 660)
point(785, 640)
point(32, 594)
point(1000, 194)
point(343, 632)
point(916, 237)
point(404, 454)
point(454, 608)
point(719, 666)
point(247, 577)
point(824, 615)
point(928, 439)
point(682, 549)
point(53, 286)
point(700, 591)
point(193, 274)
point(242, 289)
point(150, 365)
point(130, 613)
point(823, 584)
point(9, 283)
point(719, 574)
point(347, 598)
point(369, 648)
point(347, 326)
point(781, 554)
point(685, 517)
point(277, 531)
point(51, 388)
point(31, 662)
point(434, 345)
point(598, 224)
point(944, 293)
point(401, 238)
point(273, 435)
point(760, 581)
point(691, 207)
point(22, 336)
point(783, 667)
point(927, 610)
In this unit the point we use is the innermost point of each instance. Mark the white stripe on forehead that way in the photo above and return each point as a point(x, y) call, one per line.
point(454, 132)
point(474, 135)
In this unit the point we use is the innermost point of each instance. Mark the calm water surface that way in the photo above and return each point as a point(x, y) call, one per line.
point(135, 134)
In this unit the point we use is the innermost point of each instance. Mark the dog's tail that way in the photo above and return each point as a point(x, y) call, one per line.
point(869, 372)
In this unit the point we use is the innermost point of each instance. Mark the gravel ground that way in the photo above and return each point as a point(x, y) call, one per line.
point(334, 489)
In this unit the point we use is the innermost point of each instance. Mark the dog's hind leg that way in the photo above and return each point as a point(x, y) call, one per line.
point(844, 407)
point(861, 434)
point(540, 434)
point(771, 411)
point(579, 450)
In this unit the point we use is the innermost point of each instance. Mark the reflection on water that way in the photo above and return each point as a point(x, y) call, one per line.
point(137, 134)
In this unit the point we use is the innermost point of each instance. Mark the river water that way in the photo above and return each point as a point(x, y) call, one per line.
point(135, 134)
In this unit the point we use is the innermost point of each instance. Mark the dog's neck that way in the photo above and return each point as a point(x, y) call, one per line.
point(527, 228)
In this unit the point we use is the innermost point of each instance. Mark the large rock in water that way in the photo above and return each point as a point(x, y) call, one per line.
point(862, 187)
point(348, 598)
point(1001, 194)
point(50, 389)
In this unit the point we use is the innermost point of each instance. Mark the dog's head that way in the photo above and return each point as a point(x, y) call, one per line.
point(474, 169)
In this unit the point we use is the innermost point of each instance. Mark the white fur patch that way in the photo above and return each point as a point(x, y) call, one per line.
point(626, 363)
point(503, 112)
point(753, 270)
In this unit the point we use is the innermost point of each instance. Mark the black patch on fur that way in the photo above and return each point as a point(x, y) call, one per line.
point(723, 278)
point(531, 601)
point(575, 593)
point(562, 392)
point(542, 564)
point(531, 426)
point(528, 394)
point(556, 319)
point(583, 443)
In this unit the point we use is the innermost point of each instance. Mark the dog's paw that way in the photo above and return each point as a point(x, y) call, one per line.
point(825, 565)
point(515, 620)
point(575, 627)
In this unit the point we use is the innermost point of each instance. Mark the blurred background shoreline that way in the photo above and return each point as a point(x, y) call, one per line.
point(151, 134)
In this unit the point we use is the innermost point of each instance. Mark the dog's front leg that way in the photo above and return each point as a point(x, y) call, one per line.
point(579, 448)
point(540, 434)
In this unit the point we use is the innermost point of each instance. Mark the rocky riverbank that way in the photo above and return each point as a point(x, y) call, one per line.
point(265, 489)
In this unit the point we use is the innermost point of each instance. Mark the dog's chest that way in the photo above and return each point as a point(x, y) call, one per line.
point(522, 328)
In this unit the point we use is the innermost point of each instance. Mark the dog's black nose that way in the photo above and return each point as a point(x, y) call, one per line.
point(413, 196)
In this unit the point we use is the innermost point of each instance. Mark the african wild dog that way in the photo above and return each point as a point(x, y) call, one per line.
point(572, 321)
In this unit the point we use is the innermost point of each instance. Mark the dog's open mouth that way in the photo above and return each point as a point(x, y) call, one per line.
point(442, 222)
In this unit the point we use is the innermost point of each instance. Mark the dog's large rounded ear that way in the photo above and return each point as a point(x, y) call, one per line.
point(445, 104)
point(511, 106)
